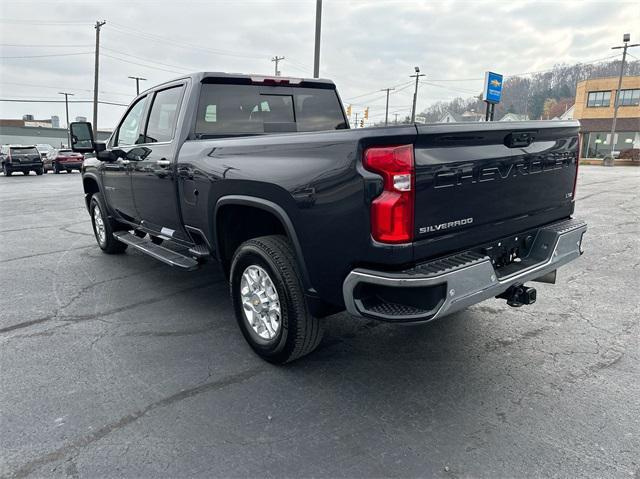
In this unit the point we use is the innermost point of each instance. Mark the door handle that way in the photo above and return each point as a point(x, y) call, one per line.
point(163, 163)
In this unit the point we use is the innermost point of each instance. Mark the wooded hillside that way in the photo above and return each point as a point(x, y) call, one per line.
point(539, 95)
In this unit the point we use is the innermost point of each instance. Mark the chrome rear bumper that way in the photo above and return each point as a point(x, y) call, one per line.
point(460, 280)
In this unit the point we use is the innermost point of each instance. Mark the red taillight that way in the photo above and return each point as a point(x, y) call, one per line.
point(392, 211)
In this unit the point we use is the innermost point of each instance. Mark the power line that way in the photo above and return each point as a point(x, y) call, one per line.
point(457, 90)
point(32, 85)
point(410, 82)
point(133, 31)
point(43, 45)
point(145, 60)
point(46, 56)
point(24, 100)
point(141, 65)
point(38, 22)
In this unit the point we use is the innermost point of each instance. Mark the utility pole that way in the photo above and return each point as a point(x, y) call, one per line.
point(356, 119)
point(626, 38)
point(415, 93)
point(277, 59)
point(316, 55)
point(99, 24)
point(137, 79)
point(66, 106)
point(386, 110)
point(396, 122)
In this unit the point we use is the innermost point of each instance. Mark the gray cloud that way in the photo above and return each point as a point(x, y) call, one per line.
point(366, 46)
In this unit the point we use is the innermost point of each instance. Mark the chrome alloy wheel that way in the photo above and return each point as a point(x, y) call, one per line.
point(260, 302)
point(98, 223)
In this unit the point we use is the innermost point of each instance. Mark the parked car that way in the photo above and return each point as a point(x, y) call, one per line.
point(44, 150)
point(20, 158)
point(308, 217)
point(63, 160)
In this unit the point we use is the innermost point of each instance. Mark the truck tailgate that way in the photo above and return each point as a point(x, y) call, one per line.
point(478, 182)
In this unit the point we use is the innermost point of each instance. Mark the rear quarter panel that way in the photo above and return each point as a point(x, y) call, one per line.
point(315, 177)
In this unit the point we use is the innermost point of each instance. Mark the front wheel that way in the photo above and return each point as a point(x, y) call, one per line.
point(39, 171)
point(268, 300)
point(103, 227)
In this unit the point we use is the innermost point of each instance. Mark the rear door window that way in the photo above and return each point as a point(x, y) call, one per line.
point(164, 115)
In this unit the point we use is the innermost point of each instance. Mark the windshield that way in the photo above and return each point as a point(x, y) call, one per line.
point(26, 150)
point(251, 109)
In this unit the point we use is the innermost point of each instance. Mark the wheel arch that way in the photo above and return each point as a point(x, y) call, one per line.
point(91, 186)
point(266, 206)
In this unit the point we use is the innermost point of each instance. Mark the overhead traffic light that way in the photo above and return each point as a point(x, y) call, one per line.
point(361, 123)
point(366, 113)
point(349, 110)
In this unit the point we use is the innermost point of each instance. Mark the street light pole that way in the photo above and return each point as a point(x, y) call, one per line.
point(66, 106)
point(386, 109)
point(626, 38)
point(137, 79)
point(415, 93)
point(316, 55)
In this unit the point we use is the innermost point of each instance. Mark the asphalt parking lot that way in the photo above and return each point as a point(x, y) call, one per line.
point(119, 366)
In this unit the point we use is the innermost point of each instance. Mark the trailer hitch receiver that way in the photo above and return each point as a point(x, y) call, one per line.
point(518, 295)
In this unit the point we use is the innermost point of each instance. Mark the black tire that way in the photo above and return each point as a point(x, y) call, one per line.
point(56, 168)
point(68, 170)
point(39, 171)
point(108, 243)
point(25, 173)
point(299, 332)
point(7, 170)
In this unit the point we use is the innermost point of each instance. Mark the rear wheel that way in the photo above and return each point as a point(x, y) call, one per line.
point(103, 227)
point(39, 171)
point(68, 170)
point(7, 170)
point(56, 168)
point(25, 173)
point(269, 302)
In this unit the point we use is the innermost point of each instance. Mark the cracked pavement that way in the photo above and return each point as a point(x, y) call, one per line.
point(119, 366)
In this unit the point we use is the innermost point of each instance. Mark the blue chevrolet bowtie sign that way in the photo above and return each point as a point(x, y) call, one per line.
point(492, 87)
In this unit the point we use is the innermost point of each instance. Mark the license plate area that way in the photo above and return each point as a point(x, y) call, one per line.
point(510, 253)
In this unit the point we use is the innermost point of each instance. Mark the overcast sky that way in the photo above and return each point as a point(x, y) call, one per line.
point(366, 45)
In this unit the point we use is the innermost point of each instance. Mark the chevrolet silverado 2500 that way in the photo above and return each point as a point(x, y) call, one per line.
point(308, 217)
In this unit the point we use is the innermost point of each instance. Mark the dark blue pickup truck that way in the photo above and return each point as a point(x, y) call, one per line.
point(308, 217)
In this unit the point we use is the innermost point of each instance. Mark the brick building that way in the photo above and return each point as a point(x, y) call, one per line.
point(594, 109)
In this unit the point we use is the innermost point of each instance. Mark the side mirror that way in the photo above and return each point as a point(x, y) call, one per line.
point(81, 137)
